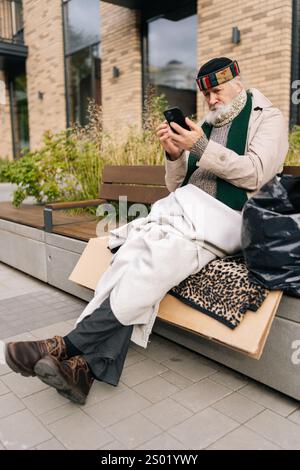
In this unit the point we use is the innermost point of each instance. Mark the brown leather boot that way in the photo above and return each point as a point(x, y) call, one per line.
point(22, 356)
point(72, 378)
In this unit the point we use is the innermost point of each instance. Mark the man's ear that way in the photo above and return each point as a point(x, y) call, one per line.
point(238, 81)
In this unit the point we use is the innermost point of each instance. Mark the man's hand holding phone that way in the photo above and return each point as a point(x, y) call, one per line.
point(183, 138)
point(162, 133)
point(178, 133)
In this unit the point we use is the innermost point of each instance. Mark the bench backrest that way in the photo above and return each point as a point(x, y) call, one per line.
point(140, 183)
point(143, 183)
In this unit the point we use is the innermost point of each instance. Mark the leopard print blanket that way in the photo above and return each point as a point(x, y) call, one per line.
point(222, 290)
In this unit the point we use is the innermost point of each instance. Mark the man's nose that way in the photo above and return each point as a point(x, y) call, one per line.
point(212, 100)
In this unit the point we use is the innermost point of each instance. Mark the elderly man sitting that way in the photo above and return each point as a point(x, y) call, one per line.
point(242, 143)
point(211, 170)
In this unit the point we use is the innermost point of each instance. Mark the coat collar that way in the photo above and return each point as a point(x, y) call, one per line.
point(259, 100)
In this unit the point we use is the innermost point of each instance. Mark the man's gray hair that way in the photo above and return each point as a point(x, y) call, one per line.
point(240, 79)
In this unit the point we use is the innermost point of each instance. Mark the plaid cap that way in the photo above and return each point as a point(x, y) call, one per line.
point(217, 77)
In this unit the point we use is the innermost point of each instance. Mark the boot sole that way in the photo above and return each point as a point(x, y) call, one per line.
point(50, 375)
point(10, 362)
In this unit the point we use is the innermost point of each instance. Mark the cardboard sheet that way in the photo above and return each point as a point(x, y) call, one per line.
point(248, 338)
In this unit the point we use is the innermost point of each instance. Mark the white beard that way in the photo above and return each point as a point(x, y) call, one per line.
point(212, 115)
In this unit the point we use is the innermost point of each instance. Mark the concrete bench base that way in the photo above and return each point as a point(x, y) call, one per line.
point(51, 258)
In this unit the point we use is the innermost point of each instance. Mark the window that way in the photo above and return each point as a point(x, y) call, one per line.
point(83, 71)
point(82, 57)
point(19, 112)
point(11, 21)
point(171, 62)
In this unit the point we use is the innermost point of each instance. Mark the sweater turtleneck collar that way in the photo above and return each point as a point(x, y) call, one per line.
point(236, 107)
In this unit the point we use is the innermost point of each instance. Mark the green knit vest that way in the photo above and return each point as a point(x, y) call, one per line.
point(227, 193)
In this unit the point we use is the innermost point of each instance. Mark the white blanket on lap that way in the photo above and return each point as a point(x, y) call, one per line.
point(182, 233)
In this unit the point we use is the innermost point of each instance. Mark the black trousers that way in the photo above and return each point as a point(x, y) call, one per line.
point(104, 343)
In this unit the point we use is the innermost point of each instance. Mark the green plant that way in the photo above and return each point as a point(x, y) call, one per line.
point(45, 173)
point(69, 164)
point(139, 146)
point(293, 156)
point(4, 165)
point(66, 167)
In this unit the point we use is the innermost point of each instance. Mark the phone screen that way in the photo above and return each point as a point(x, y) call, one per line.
point(176, 115)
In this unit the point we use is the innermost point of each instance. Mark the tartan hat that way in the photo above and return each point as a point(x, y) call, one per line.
point(217, 71)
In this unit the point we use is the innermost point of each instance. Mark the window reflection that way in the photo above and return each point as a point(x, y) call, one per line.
point(22, 128)
point(82, 50)
point(83, 70)
point(19, 110)
point(82, 24)
point(172, 60)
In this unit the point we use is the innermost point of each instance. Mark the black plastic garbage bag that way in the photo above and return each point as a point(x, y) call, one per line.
point(271, 235)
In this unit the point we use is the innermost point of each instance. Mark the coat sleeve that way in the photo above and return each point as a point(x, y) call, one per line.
point(264, 157)
point(176, 171)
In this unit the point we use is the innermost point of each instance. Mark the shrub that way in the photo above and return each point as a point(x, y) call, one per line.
point(69, 164)
point(4, 165)
point(293, 156)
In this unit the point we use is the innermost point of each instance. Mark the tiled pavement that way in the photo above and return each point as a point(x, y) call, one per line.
point(168, 397)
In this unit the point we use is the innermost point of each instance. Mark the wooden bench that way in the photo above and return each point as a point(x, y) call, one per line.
point(140, 183)
point(60, 250)
point(275, 368)
point(143, 184)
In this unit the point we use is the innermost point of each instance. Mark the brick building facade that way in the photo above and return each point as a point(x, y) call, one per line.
point(37, 49)
point(43, 35)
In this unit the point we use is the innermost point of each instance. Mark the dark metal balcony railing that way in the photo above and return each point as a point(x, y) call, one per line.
point(11, 21)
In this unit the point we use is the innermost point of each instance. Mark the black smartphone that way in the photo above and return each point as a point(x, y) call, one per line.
point(176, 115)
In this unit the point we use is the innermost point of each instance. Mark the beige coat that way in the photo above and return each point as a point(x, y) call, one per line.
point(266, 150)
point(182, 233)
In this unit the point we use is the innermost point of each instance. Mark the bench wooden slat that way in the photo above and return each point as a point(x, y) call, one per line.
point(143, 194)
point(135, 174)
point(33, 215)
point(291, 170)
point(74, 204)
point(81, 230)
point(27, 214)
